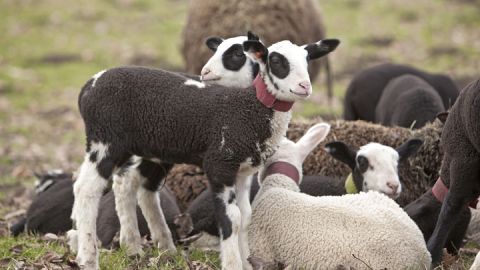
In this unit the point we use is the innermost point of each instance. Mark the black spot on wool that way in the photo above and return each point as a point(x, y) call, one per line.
point(234, 58)
point(154, 173)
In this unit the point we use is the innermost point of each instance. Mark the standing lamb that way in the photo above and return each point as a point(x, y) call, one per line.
point(355, 230)
point(408, 101)
point(365, 90)
point(164, 119)
point(299, 21)
point(460, 169)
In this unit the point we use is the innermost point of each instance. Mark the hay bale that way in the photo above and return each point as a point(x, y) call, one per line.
point(273, 20)
point(417, 174)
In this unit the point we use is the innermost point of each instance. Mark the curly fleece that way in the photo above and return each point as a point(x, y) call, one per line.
point(331, 231)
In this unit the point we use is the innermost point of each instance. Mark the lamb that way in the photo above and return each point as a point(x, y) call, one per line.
point(367, 87)
point(408, 101)
point(51, 208)
point(229, 65)
point(163, 119)
point(460, 171)
point(374, 167)
point(298, 21)
point(418, 174)
point(312, 220)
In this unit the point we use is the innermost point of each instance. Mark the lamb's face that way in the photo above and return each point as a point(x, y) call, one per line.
point(284, 66)
point(377, 164)
point(46, 180)
point(229, 66)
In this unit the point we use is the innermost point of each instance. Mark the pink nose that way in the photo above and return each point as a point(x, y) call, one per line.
point(205, 71)
point(305, 85)
point(393, 186)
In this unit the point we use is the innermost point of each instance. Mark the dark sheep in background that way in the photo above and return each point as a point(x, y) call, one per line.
point(460, 167)
point(51, 209)
point(366, 88)
point(408, 101)
point(297, 21)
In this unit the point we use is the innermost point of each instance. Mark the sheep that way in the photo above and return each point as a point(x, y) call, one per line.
point(417, 174)
point(162, 118)
point(374, 167)
point(355, 230)
point(460, 171)
point(229, 65)
point(367, 87)
point(52, 202)
point(298, 21)
point(408, 101)
point(51, 208)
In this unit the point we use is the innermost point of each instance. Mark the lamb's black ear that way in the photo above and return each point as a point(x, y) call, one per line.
point(321, 48)
point(342, 152)
point(409, 148)
point(252, 36)
point(442, 116)
point(256, 50)
point(213, 43)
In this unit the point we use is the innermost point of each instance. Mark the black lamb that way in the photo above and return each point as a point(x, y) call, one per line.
point(365, 90)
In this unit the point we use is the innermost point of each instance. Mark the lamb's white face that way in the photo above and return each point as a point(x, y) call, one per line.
point(286, 71)
point(284, 66)
point(230, 66)
point(379, 166)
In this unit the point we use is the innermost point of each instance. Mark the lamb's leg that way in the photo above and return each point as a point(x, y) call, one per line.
point(93, 177)
point(222, 177)
point(125, 186)
point(242, 189)
point(464, 187)
point(476, 263)
point(153, 175)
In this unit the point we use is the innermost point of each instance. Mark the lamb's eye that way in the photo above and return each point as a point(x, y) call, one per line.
point(275, 61)
point(239, 54)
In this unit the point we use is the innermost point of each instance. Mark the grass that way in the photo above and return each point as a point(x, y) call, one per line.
point(48, 48)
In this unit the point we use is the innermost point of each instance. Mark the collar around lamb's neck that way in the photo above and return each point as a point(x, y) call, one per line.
point(285, 168)
point(350, 187)
point(269, 100)
point(440, 191)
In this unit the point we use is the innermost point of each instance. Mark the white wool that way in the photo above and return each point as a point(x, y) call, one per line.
point(326, 232)
point(195, 83)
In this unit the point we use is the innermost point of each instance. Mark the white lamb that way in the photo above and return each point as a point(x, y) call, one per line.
point(363, 231)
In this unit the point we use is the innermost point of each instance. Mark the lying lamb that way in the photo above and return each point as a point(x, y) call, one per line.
point(51, 209)
point(360, 231)
point(163, 118)
point(366, 88)
point(374, 167)
point(408, 101)
point(460, 171)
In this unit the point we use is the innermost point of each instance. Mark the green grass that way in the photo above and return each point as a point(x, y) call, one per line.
point(32, 250)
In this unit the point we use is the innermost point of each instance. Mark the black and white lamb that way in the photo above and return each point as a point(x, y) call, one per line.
point(230, 65)
point(162, 118)
point(365, 90)
point(51, 209)
point(460, 170)
point(374, 167)
point(356, 231)
point(408, 101)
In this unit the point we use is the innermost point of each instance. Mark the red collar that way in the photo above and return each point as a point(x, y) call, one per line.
point(440, 191)
point(284, 168)
point(269, 100)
